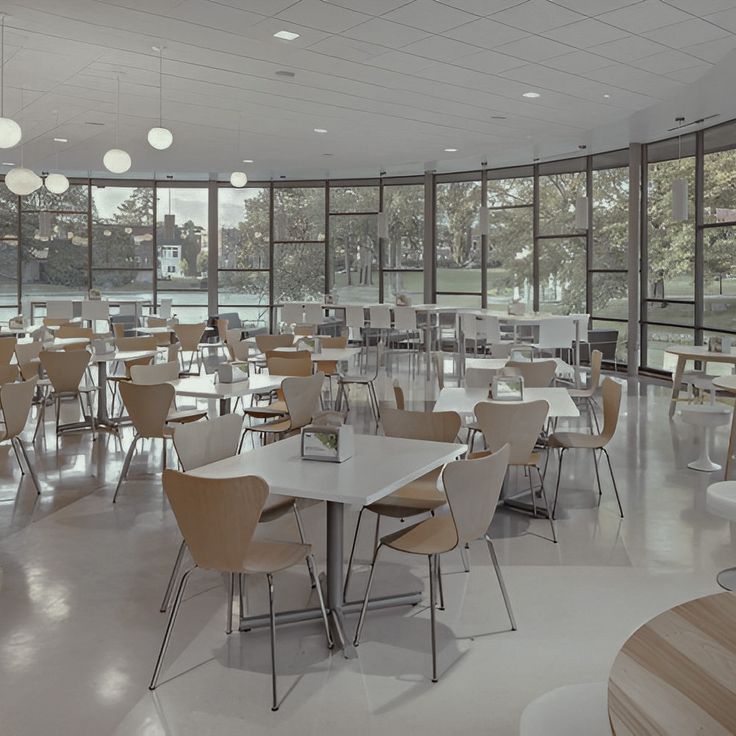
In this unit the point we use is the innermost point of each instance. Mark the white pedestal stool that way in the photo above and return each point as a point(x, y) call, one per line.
point(573, 710)
point(705, 416)
point(720, 500)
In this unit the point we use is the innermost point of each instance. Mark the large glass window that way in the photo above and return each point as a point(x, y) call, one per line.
point(9, 286)
point(403, 254)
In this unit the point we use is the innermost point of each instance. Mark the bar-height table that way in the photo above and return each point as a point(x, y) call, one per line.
point(379, 466)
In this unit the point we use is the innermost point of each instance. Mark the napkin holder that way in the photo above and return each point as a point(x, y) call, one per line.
point(507, 388)
point(232, 372)
point(403, 300)
point(19, 322)
point(516, 309)
point(311, 344)
point(327, 442)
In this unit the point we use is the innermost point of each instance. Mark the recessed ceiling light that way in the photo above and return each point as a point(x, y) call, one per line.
point(286, 35)
point(285, 73)
point(498, 117)
point(61, 140)
point(247, 160)
point(8, 163)
point(156, 48)
point(320, 130)
point(450, 150)
point(531, 95)
point(607, 96)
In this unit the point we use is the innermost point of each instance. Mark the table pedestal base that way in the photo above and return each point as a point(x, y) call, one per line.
point(727, 578)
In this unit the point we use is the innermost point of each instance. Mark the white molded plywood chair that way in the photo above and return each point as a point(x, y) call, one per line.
point(60, 309)
point(164, 310)
point(94, 311)
point(469, 325)
point(555, 334)
point(572, 710)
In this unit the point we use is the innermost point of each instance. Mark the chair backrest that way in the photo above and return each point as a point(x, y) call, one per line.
point(8, 374)
point(473, 488)
point(292, 312)
point(136, 343)
point(189, 335)
point(606, 341)
point(611, 391)
point(301, 395)
point(583, 322)
point(339, 342)
point(155, 373)
point(490, 328)
point(405, 318)
point(156, 321)
point(596, 359)
point(265, 343)
point(297, 363)
point(557, 332)
point(55, 321)
point(64, 369)
point(238, 348)
point(355, 317)
point(516, 423)
point(439, 369)
point(65, 331)
point(469, 324)
point(164, 309)
point(202, 443)
point(436, 426)
point(60, 309)
point(379, 317)
point(95, 309)
point(173, 351)
point(7, 349)
point(25, 354)
point(399, 395)
point(479, 377)
point(147, 405)
point(216, 517)
point(313, 312)
point(222, 327)
point(538, 374)
point(118, 330)
point(15, 401)
point(305, 329)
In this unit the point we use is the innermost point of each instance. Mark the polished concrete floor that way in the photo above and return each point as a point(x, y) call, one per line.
point(81, 582)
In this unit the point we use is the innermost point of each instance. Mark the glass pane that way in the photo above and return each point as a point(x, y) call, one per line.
point(354, 246)
point(299, 214)
point(657, 340)
point(410, 283)
point(623, 337)
point(243, 287)
point(298, 272)
point(610, 295)
point(720, 369)
point(73, 199)
point(124, 284)
point(562, 275)
point(719, 284)
point(510, 261)
point(354, 199)
point(404, 207)
point(670, 313)
point(8, 271)
point(557, 196)
point(459, 300)
point(610, 218)
point(719, 187)
point(244, 227)
point(181, 239)
point(510, 192)
point(190, 312)
point(8, 214)
point(671, 249)
point(253, 316)
point(458, 246)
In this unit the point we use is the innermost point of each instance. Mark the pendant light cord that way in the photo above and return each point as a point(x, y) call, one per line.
point(160, 86)
point(2, 67)
point(117, 112)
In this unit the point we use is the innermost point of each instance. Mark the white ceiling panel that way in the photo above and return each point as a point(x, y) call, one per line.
point(318, 14)
point(398, 61)
point(628, 49)
point(440, 48)
point(490, 62)
point(593, 8)
point(386, 33)
point(347, 48)
point(374, 7)
point(725, 19)
point(687, 33)
point(481, 7)
point(704, 7)
point(712, 51)
point(667, 62)
point(585, 33)
point(429, 15)
point(644, 16)
point(486, 33)
point(577, 62)
point(533, 48)
point(537, 16)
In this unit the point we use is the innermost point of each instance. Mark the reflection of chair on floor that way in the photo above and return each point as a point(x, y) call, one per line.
point(15, 404)
point(720, 500)
point(218, 519)
point(572, 710)
point(473, 488)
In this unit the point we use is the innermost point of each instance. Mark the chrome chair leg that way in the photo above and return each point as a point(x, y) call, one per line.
point(501, 582)
point(531, 491)
point(439, 582)
point(302, 538)
point(597, 475)
point(613, 479)
point(557, 487)
point(464, 557)
point(312, 565)
point(21, 446)
point(170, 627)
point(275, 702)
point(349, 571)
point(364, 607)
point(41, 417)
point(126, 467)
point(546, 506)
point(230, 596)
point(172, 578)
point(17, 456)
point(242, 595)
point(432, 612)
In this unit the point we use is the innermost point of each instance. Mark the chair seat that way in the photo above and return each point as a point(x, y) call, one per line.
point(533, 461)
point(356, 379)
point(185, 416)
point(267, 557)
point(282, 425)
point(579, 440)
point(271, 410)
point(429, 537)
point(417, 497)
point(582, 393)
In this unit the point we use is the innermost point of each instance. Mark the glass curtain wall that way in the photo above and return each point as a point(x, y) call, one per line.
point(10, 274)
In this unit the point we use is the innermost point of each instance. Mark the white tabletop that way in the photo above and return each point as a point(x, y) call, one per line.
point(204, 387)
point(563, 369)
point(59, 343)
point(155, 330)
point(463, 400)
point(121, 355)
point(380, 466)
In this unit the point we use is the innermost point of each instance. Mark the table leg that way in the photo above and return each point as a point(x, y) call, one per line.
point(731, 448)
point(335, 566)
point(225, 406)
point(676, 382)
point(102, 413)
point(577, 353)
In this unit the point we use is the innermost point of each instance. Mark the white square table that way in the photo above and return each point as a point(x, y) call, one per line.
point(204, 387)
point(379, 466)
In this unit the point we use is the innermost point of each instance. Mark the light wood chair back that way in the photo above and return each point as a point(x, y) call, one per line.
point(136, 343)
point(7, 349)
point(147, 406)
point(399, 396)
point(202, 443)
point(217, 517)
point(266, 343)
point(305, 330)
point(55, 321)
point(222, 328)
point(298, 363)
point(65, 369)
point(118, 330)
point(16, 400)
point(611, 391)
point(339, 343)
point(190, 335)
point(8, 374)
point(517, 424)
point(538, 374)
point(301, 395)
point(74, 331)
point(25, 354)
point(436, 426)
point(156, 321)
point(596, 359)
point(473, 488)
point(156, 373)
point(238, 348)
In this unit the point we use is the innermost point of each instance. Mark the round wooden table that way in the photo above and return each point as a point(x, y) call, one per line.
point(676, 676)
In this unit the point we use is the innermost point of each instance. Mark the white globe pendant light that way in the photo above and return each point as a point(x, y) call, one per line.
point(22, 181)
point(10, 132)
point(238, 179)
point(117, 161)
point(159, 137)
point(56, 183)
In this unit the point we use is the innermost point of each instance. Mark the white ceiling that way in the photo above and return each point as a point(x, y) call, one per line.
point(394, 82)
